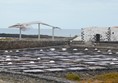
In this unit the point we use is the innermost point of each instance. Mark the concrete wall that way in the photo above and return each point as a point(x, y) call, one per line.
point(28, 44)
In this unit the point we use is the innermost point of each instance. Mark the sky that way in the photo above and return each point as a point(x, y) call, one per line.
point(67, 14)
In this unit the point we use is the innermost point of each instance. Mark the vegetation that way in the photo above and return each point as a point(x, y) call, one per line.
point(73, 76)
point(108, 77)
point(102, 78)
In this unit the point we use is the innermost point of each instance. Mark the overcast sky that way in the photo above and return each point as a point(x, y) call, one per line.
point(67, 14)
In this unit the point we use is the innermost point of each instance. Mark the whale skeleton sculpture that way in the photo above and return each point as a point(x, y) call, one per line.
point(21, 27)
point(24, 26)
point(41, 23)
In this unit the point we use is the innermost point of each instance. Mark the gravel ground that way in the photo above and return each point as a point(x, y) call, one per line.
point(2, 81)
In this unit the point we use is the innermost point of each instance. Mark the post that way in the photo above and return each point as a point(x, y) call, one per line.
point(52, 33)
point(38, 31)
point(20, 35)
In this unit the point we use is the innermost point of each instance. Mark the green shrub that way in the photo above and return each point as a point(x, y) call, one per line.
point(73, 76)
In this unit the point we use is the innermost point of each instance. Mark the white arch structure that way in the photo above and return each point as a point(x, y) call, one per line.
point(25, 25)
point(39, 23)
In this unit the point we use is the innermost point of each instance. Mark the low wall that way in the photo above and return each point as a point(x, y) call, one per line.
point(82, 73)
point(28, 44)
point(108, 44)
point(13, 77)
point(49, 77)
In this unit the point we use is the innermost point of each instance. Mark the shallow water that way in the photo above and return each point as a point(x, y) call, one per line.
point(56, 60)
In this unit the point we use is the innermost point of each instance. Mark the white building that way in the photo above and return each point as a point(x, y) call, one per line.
point(99, 34)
